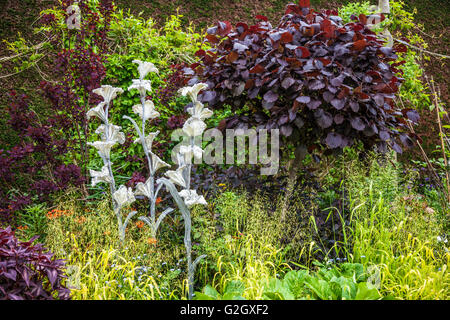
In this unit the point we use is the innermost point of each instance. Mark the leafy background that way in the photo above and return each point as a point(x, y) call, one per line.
point(21, 16)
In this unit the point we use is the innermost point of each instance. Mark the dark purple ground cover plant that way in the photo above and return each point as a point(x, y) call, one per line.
point(29, 272)
point(36, 167)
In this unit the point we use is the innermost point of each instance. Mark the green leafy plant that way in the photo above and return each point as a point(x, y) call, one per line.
point(32, 221)
point(344, 282)
point(233, 291)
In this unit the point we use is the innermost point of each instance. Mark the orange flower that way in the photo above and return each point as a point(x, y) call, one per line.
point(80, 220)
point(152, 241)
point(55, 213)
point(140, 224)
point(158, 200)
point(107, 233)
point(22, 227)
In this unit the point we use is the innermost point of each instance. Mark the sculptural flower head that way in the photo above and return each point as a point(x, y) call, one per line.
point(148, 139)
point(144, 68)
point(193, 91)
point(107, 92)
point(147, 111)
point(191, 198)
point(100, 176)
point(114, 133)
point(123, 196)
point(103, 147)
point(144, 189)
point(142, 85)
point(199, 111)
point(177, 176)
point(157, 163)
point(98, 111)
point(194, 127)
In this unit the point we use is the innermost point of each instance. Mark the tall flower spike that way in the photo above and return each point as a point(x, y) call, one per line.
point(146, 112)
point(107, 92)
point(193, 91)
point(114, 133)
point(100, 176)
point(142, 85)
point(123, 196)
point(144, 68)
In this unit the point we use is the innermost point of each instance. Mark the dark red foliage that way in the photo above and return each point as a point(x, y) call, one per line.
point(320, 82)
point(135, 179)
point(48, 19)
point(81, 68)
point(29, 272)
point(37, 165)
point(26, 166)
point(175, 122)
point(172, 83)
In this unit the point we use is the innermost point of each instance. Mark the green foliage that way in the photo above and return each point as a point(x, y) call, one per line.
point(233, 291)
point(109, 275)
point(32, 221)
point(401, 23)
point(354, 8)
point(345, 282)
point(392, 231)
point(252, 241)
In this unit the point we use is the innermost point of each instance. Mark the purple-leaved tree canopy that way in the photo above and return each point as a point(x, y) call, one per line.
point(324, 84)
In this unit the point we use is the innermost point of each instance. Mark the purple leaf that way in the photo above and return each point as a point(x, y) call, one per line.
point(324, 119)
point(406, 140)
point(397, 148)
point(270, 96)
point(338, 103)
point(357, 123)
point(334, 140)
point(328, 96)
point(208, 96)
point(287, 82)
point(316, 85)
point(303, 99)
point(354, 106)
point(384, 135)
point(286, 130)
point(379, 100)
point(314, 104)
point(299, 123)
point(413, 115)
point(339, 119)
